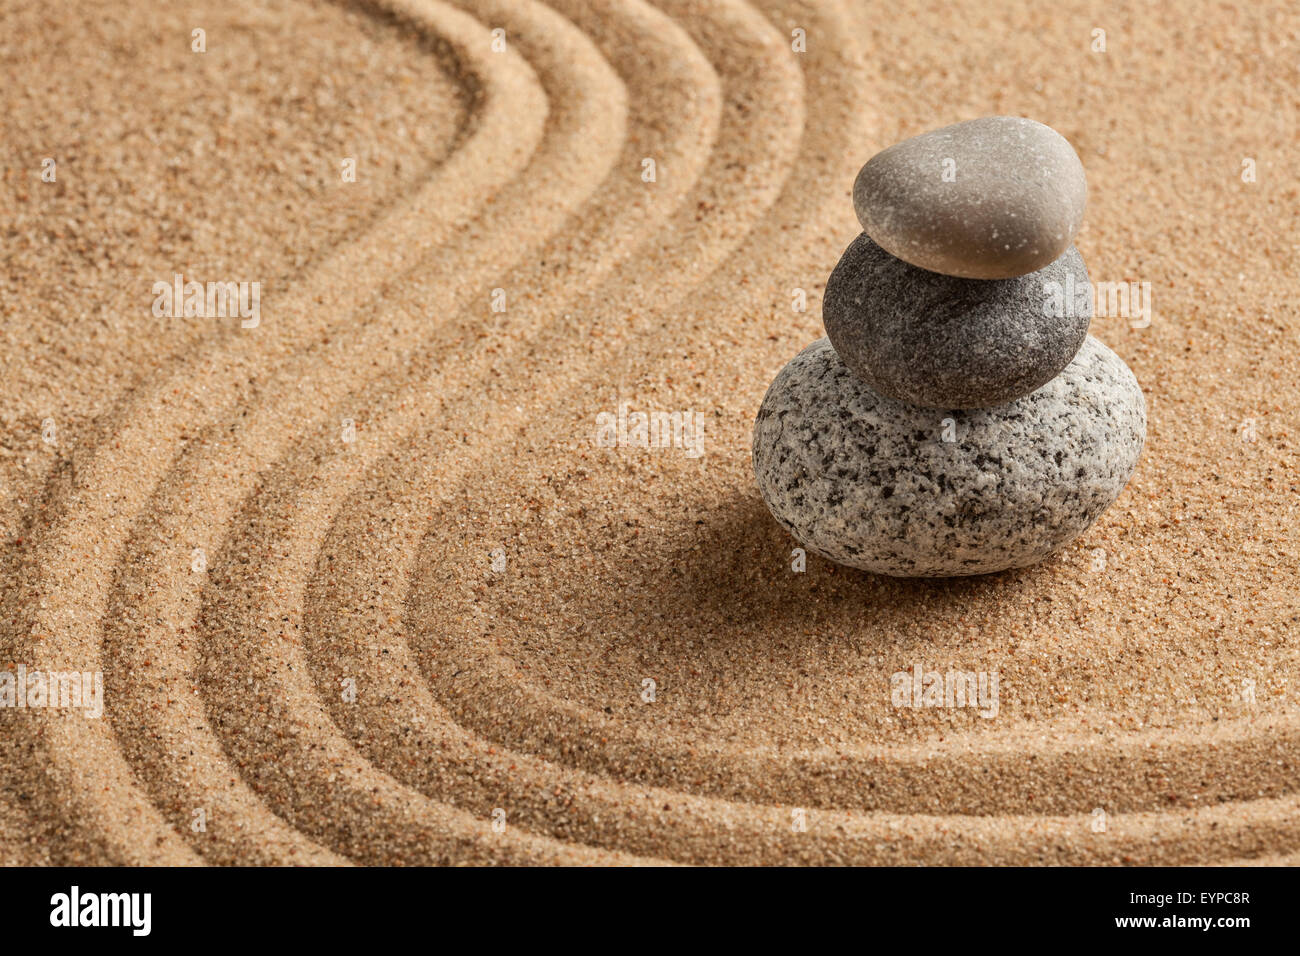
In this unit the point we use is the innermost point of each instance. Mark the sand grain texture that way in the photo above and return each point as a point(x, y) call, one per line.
point(478, 687)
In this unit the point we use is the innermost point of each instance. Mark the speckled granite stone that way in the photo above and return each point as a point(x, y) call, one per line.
point(870, 482)
point(1013, 203)
point(945, 342)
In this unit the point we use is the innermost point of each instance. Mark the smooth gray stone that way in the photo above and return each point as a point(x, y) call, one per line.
point(869, 482)
point(945, 342)
point(1014, 205)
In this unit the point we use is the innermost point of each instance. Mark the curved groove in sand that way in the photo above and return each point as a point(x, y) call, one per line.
point(685, 152)
point(152, 423)
point(682, 153)
point(590, 122)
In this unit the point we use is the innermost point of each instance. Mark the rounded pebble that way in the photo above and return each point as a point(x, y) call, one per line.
point(946, 342)
point(887, 487)
point(990, 198)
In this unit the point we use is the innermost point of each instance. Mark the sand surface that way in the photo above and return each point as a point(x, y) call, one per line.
point(430, 643)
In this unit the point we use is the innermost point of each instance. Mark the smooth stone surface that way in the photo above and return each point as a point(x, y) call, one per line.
point(869, 482)
point(1014, 205)
point(945, 342)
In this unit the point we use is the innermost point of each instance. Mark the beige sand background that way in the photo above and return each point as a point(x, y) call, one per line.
point(515, 682)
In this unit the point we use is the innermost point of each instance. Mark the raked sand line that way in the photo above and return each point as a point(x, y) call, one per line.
point(1070, 770)
point(274, 421)
point(153, 422)
point(333, 653)
point(342, 467)
point(1084, 780)
point(211, 507)
point(246, 627)
point(1054, 776)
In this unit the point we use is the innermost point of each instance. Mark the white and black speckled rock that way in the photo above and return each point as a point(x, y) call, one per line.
point(945, 342)
point(1011, 204)
point(870, 482)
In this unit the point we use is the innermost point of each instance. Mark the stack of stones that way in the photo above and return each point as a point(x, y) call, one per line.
point(953, 422)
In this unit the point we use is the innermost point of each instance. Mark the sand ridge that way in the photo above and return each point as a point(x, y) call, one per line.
point(483, 687)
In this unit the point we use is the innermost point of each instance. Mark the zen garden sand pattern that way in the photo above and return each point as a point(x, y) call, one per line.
point(362, 585)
